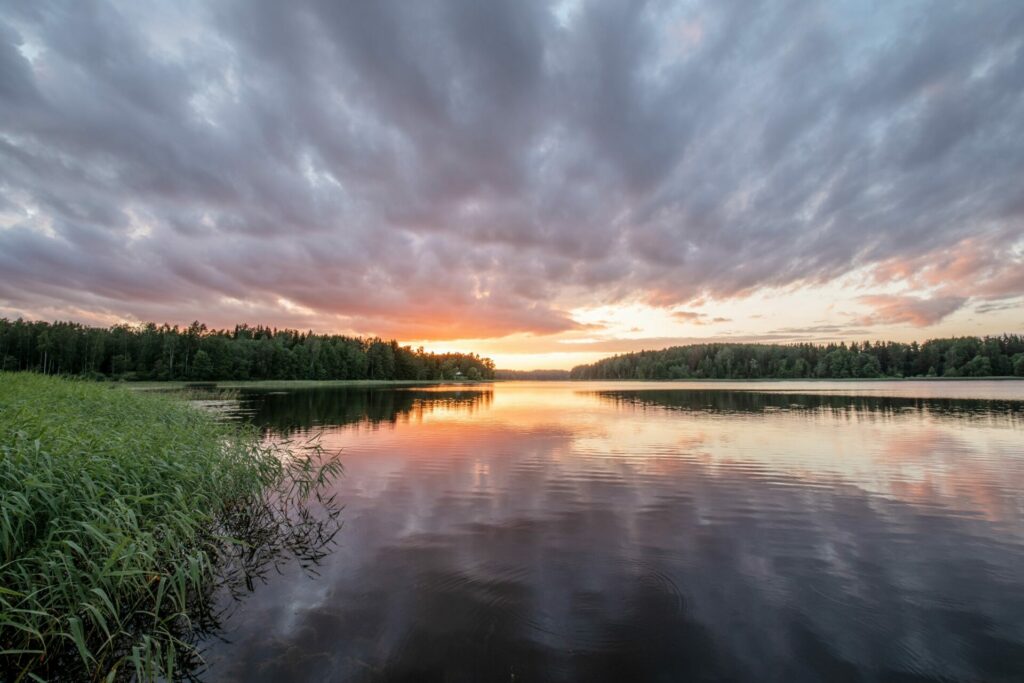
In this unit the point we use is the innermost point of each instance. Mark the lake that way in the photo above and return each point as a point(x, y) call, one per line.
point(597, 531)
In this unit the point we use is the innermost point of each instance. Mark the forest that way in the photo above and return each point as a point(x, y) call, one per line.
point(955, 357)
point(196, 353)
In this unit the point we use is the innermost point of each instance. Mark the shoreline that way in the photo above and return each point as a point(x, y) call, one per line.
point(153, 385)
point(145, 385)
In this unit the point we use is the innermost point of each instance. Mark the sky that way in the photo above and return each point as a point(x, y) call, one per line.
point(542, 183)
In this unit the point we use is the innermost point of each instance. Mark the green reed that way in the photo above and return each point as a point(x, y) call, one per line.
point(116, 508)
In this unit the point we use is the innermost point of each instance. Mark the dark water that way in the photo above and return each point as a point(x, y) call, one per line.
point(621, 532)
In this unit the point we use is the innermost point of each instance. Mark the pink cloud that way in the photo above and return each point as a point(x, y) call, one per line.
point(890, 309)
point(983, 268)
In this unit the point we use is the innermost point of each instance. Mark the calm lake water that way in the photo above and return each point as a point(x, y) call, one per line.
point(854, 531)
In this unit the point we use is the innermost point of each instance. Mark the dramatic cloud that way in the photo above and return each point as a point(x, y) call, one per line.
point(441, 170)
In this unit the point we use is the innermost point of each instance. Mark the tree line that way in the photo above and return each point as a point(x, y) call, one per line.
point(196, 353)
point(954, 357)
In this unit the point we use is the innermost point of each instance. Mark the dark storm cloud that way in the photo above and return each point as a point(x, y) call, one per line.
point(451, 169)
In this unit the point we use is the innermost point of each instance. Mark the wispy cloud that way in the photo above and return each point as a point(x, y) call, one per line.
point(697, 318)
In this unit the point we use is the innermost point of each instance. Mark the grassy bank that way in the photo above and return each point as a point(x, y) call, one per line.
point(115, 506)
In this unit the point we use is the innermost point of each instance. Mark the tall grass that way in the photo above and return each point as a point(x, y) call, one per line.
point(118, 511)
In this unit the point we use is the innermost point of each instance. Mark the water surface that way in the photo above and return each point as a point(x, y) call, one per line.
point(847, 531)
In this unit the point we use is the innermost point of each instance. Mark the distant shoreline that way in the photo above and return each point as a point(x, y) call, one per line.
point(770, 380)
point(370, 383)
point(293, 383)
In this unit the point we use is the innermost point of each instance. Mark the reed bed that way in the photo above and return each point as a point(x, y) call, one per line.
point(117, 508)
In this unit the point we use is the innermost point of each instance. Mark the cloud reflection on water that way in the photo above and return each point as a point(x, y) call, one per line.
point(546, 533)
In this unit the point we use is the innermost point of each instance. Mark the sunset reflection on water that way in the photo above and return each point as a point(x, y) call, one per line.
point(592, 531)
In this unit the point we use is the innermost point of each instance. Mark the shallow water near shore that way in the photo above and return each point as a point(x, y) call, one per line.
point(595, 531)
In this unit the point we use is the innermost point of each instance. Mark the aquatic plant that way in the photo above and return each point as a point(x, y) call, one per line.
point(123, 513)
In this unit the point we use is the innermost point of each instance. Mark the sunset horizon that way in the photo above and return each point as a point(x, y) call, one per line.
point(541, 184)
